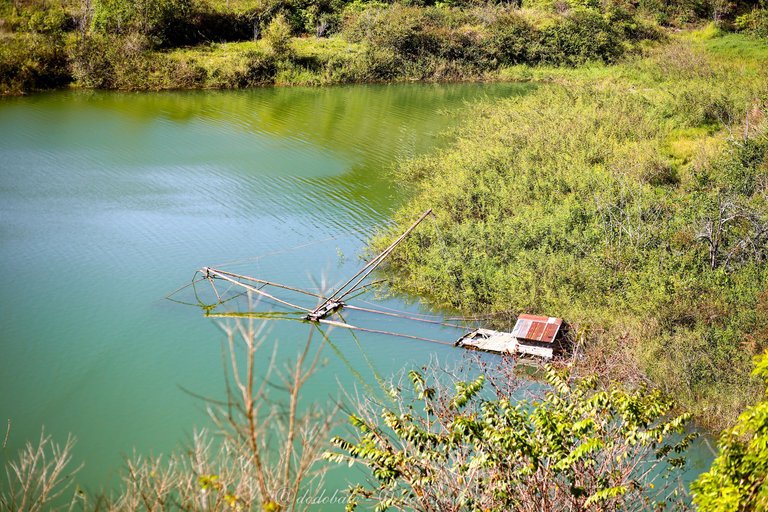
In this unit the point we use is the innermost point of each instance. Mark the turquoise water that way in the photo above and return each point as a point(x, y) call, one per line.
point(108, 202)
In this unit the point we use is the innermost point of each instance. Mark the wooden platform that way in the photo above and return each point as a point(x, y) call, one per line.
point(490, 341)
point(508, 343)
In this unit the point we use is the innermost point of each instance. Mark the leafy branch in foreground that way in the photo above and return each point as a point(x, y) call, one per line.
point(738, 478)
point(576, 447)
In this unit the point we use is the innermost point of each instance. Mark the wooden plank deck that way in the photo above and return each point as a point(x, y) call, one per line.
point(502, 343)
point(490, 341)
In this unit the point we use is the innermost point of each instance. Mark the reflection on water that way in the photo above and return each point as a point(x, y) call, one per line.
point(110, 201)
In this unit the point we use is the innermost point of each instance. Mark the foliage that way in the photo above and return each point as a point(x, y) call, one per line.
point(404, 39)
point(52, 21)
point(738, 478)
point(30, 62)
point(277, 35)
point(573, 448)
point(163, 22)
point(494, 35)
point(615, 202)
point(754, 22)
point(123, 44)
point(581, 36)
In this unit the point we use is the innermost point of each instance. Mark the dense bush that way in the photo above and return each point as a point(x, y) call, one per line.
point(754, 22)
point(485, 38)
point(30, 62)
point(573, 448)
point(580, 36)
point(508, 39)
point(52, 21)
point(278, 37)
point(162, 22)
point(738, 478)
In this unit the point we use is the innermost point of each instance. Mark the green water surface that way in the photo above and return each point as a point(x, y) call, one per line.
point(110, 201)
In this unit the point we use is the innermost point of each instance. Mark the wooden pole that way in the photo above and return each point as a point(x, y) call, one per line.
point(387, 252)
point(371, 265)
point(268, 283)
point(210, 271)
point(400, 315)
point(376, 331)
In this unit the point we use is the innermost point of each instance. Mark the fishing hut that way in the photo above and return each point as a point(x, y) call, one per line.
point(539, 336)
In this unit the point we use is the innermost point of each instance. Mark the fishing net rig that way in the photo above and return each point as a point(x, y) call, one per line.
point(328, 308)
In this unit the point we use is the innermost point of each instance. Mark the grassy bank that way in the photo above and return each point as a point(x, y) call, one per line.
point(185, 44)
point(630, 200)
point(180, 44)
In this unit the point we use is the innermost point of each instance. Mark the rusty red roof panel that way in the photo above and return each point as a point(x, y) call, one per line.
point(537, 328)
point(535, 331)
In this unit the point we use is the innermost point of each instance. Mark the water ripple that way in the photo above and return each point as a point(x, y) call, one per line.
point(108, 201)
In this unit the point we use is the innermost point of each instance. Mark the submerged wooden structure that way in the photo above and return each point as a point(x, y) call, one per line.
point(329, 308)
point(533, 335)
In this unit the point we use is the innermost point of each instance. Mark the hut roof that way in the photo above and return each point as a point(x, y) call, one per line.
point(537, 328)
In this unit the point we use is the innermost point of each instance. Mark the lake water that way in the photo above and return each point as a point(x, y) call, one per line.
point(110, 201)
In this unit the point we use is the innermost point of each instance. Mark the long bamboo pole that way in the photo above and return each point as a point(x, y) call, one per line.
point(387, 252)
point(268, 283)
point(403, 316)
point(216, 273)
point(335, 323)
point(371, 265)
point(344, 325)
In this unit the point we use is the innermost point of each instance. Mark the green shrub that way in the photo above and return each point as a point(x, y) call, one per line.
point(485, 39)
point(30, 62)
point(509, 39)
point(163, 22)
point(277, 35)
point(260, 70)
point(52, 21)
point(91, 64)
point(440, 449)
point(397, 28)
point(125, 62)
point(754, 22)
point(738, 478)
point(580, 36)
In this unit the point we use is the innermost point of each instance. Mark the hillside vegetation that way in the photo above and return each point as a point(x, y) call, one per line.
point(170, 44)
point(630, 200)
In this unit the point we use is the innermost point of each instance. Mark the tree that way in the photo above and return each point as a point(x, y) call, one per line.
point(163, 22)
point(278, 36)
point(578, 447)
point(738, 478)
